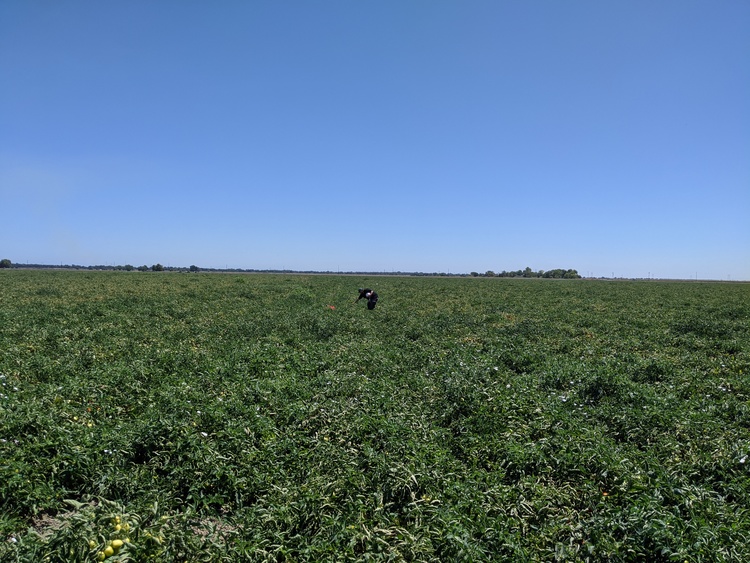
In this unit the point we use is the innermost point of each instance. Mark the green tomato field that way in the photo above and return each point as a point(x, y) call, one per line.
point(258, 417)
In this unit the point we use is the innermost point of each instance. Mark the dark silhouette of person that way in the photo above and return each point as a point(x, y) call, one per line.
point(370, 295)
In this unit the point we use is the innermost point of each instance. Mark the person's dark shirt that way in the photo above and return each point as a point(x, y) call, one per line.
point(367, 293)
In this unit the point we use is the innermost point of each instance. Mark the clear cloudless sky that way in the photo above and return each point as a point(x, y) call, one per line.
point(418, 135)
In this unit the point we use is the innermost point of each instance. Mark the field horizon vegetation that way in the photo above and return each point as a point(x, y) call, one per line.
point(555, 273)
point(261, 417)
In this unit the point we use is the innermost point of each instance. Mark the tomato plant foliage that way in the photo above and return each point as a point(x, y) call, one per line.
point(215, 417)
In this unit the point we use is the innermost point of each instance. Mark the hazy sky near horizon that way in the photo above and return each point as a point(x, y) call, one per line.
point(425, 135)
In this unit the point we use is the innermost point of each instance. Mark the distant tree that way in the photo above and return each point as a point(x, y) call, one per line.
point(143, 268)
point(129, 267)
point(157, 268)
point(194, 268)
point(558, 273)
point(5, 263)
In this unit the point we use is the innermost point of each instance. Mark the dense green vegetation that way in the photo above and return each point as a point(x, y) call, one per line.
point(218, 417)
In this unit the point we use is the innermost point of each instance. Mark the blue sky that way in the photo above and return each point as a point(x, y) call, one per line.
point(425, 135)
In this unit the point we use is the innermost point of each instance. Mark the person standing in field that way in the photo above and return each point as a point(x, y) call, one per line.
point(370, 295)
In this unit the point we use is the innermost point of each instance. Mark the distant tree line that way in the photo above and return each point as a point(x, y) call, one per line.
point(161, 268)
point(558, 273)
point(5, 263)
